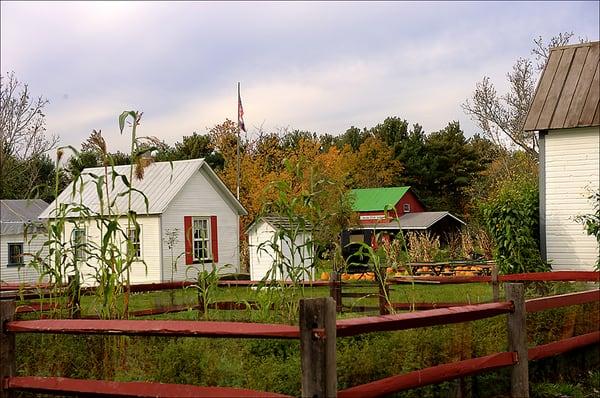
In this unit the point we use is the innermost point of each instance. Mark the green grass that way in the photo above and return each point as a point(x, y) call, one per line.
point(274, 365)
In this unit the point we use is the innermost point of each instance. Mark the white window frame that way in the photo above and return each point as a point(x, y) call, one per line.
point(406, 207)
point(20, 262)
point(198, 239)
point(136, 245)
point(79, 253)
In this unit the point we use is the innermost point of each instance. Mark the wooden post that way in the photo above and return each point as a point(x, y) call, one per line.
point(200, 305)
point(335, 290)
point(517, 340)
point(317, 347)
point(383, 304)
point(7, 346)
point(495, 286)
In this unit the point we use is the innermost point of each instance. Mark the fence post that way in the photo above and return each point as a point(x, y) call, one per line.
point(517, 340)
point(7, 346)
point(335, 290)
point(384, 291)
point(317, 347)
point(495, 286)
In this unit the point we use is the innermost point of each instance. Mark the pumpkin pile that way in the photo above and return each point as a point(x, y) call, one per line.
point(365, 276)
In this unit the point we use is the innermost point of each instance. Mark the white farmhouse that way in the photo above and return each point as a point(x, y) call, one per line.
point(566, 113)
point(275, 254)
point(186, 202)
point(20, 236)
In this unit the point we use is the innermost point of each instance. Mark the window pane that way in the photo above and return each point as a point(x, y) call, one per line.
point(15, 251)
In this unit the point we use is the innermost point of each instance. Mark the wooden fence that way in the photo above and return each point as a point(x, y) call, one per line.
point(317, 331)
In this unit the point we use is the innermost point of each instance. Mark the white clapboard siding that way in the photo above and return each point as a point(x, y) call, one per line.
point(200, 197)
point(26, 273)
point(572, 174)
point(261, 260)
point(150, 248)
point(262, 255)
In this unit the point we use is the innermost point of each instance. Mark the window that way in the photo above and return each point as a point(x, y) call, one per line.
point(133, 235)
point(15, 254)
point(78, 242)
point(201, 239)
point(406, 207)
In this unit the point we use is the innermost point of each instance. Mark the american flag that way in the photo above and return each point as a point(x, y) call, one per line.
point(241, 125)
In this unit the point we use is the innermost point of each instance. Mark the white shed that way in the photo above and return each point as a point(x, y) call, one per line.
point(566, 113)
point(21, 235)
point(186, 201)
point(275, 255)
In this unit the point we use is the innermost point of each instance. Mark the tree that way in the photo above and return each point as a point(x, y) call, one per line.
point(375, 165)
point(501, 116)
point(24, 142)
point(452, 165)
point(197, 146)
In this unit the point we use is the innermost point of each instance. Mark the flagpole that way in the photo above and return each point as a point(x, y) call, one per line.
point(238, 146)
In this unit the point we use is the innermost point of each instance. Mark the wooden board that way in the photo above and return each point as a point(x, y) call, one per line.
point(568, 92)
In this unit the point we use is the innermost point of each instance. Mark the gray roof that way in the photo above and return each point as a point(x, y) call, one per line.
point(409, 221)
point(14, 214)
point(568, 93)
point(161, 182)
point(276, 222)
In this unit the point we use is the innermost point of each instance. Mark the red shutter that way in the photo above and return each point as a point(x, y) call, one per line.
point(213, 238)
point(187, 234)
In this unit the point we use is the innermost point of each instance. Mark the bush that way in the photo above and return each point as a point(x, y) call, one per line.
point(512, 218)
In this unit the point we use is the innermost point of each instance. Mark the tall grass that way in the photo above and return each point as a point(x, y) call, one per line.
point(103, 260)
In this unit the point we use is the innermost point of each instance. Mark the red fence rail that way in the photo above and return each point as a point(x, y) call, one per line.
point(155, 328)
point(354, 326)
point(103, 388)
point(562, 300)
point(432, 375)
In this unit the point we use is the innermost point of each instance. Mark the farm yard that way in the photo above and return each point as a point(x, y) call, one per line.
point(428, 253)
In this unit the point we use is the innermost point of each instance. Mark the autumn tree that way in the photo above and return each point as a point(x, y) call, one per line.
point(374, 165)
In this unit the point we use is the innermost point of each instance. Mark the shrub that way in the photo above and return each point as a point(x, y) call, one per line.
point(512, 218)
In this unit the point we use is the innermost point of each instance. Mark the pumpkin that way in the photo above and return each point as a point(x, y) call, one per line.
point(345, 277)
point(325, 276)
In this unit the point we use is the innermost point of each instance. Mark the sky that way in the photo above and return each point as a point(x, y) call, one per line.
point(316, 66)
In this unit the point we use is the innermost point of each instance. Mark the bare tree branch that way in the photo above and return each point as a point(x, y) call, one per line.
point(501, 117)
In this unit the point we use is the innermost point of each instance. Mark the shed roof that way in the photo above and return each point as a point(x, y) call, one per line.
point(376, 199)
point(568, 93)
point(14, 214)
point(161, 182)
point(278, 222)
point(421, 220)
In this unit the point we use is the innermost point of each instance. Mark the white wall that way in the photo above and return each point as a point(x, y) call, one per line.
point(199, 198)
point(150, 240)
point(572, 173)
point(25, 274)
point(262, 260)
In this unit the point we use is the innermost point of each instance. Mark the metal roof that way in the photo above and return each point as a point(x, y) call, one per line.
point(277, 222)
point(14, 214)
point(376, 199)
point(568, 93)
point(161, 182)
point(420, 220)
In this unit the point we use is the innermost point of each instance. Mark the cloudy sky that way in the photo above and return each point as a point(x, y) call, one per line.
point(321, 67)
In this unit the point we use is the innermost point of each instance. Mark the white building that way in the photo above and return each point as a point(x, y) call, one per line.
point(21, 235)
point(279, 250)
point(186, 200)
point(566, 113)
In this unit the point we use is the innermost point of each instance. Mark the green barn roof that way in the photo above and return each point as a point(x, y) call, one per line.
point(375, 199)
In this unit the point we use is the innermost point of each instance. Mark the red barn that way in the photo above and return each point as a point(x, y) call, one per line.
point(372, 203)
